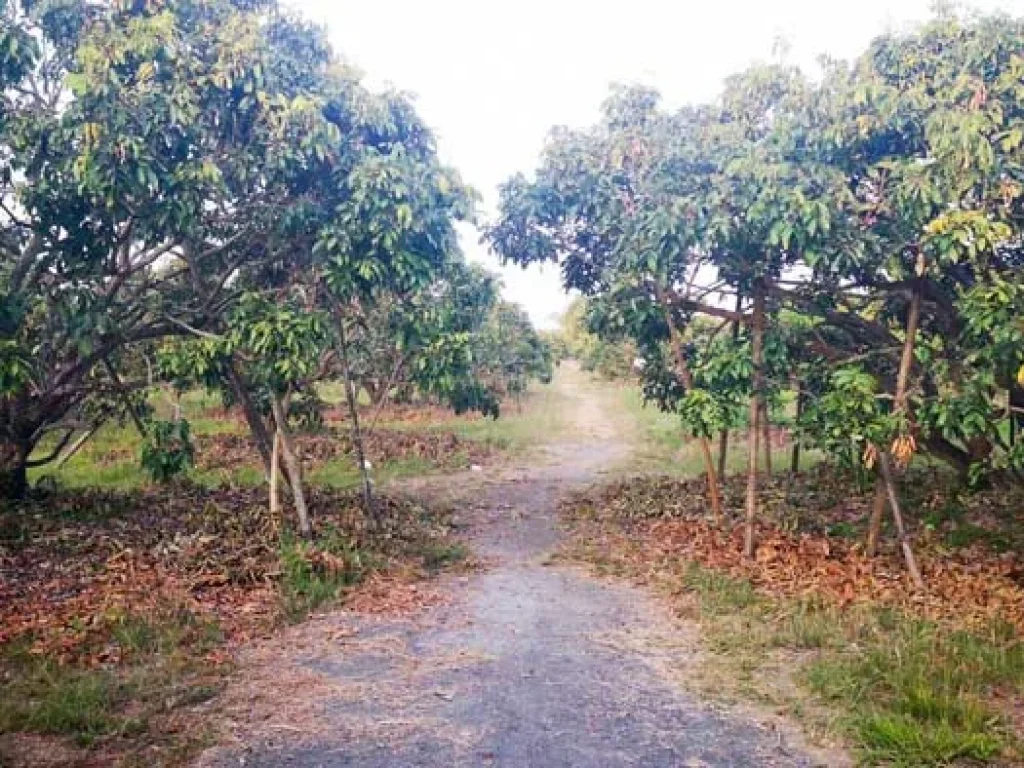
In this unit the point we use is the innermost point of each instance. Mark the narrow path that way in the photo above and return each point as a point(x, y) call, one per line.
point(524, 663)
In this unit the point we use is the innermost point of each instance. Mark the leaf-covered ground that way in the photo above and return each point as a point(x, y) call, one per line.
point(71, 561)
point(439, 449)
point(910, 677)
point(809, 542)
point(119, 611)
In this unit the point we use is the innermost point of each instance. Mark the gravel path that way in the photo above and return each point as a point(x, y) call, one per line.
point(523, 664)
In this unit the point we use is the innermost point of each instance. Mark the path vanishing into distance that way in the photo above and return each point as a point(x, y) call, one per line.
point(523, 662)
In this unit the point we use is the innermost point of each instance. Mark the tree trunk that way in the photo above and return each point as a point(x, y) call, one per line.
point(757, 346)
point(1016, 399)
point(293, 466)
point(353, 412)
point(275, 475)
point(687, 377)
point(901, 405)
point(256, 424)
point(723, 440)
point(13, 470)
point(901, 531)
point(877, 513)
point(723, 452)
point(794, 466)
point(766, 431)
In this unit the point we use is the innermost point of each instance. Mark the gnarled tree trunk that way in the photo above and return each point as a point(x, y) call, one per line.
point(13, 470)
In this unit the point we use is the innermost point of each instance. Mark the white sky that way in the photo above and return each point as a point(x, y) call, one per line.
point(491, 77)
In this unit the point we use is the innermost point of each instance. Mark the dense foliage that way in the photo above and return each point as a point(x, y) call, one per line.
point(202, 193)
point(856, 238)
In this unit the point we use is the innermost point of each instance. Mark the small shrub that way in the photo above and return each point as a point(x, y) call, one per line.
point(168, 451)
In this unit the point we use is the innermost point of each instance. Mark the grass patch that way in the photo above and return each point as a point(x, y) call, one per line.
point(916, 694)
point(907, 692)
point(316, 574)
point(159, 668)
point(665, 448)
point(719, 593)
point(443, 554)
point(540, 417)
point(49, 699)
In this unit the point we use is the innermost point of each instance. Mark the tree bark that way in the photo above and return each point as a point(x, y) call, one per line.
point(723, 440)
point(901, 531)
point(13, 470)
point(794, 466)
point(252, 416)
point(901, 406)
point(723, 452)
point(757, 347)
point(687, 377)
point(353, 412)
point(293, 466)
point(766, 432)
point(877, 513)
point(275, 475)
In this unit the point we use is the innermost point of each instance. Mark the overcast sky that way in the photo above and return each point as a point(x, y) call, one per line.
point(492, 76)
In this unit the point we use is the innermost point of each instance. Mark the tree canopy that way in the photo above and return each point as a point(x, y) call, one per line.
point(211, 173)
point(862, 229)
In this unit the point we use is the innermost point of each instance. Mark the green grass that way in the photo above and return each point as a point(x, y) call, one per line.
point(52, 700)
point(539, 418)
point(316, 574)
point(665, 448)
point(440, 555)
point(110, 460)
point(908, 692)
point(161, 669)
point(917, 694)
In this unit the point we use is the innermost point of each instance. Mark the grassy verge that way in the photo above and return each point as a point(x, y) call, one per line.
point(119, 612)
point(904, 691)
point(813, 629)
point(116, 710)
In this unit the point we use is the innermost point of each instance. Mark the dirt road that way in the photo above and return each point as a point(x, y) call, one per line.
point(524, 663)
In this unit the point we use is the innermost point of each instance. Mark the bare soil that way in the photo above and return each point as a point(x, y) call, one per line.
point(522, 662)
